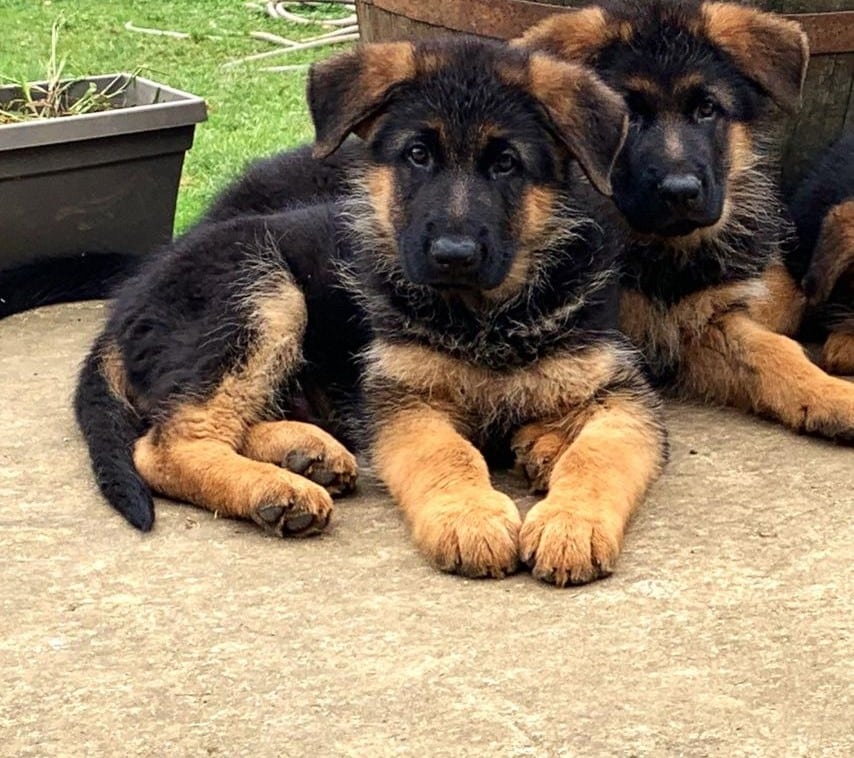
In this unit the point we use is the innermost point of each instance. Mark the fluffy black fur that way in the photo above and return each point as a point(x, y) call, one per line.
point(829, 184)
point(183, 323)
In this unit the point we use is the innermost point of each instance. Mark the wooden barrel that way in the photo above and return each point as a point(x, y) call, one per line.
point(828, 107)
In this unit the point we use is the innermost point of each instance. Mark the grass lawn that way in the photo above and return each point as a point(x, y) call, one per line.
point(250, 112)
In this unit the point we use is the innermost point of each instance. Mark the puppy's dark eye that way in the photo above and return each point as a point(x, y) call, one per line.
point(640, 109)
point(706, 110)
point(506, 163)
point(418, 155)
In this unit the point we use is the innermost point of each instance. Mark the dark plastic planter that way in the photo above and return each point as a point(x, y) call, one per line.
point(100, 182)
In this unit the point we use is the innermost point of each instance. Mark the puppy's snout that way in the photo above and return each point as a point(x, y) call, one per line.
point(680, 189)
point(455, 254)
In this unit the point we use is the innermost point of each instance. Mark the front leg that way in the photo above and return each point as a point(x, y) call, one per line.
point(598, 479)
point(737, 361)
point(441, 483)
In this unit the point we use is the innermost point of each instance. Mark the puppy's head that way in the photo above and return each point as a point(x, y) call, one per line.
point(698, 79)
point(470, 144)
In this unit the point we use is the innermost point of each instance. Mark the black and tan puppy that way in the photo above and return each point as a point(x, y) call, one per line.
point(705, 294)
point(490, 297)
point(823, 256)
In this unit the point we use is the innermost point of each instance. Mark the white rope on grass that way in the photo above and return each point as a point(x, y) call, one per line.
point(274, 38)
point(129, 25)
point(301, 46)
point(291, 67)
point(346, 31)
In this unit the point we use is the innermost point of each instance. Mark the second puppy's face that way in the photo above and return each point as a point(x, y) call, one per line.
point(697, 78)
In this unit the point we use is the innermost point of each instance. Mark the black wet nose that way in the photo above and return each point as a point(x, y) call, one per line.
point(680, 188)
point(455, 253)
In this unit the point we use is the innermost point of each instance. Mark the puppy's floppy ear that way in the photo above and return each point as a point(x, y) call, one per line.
point(588, 116)
point(770, 50)
point(574, 36)
point(346, 90)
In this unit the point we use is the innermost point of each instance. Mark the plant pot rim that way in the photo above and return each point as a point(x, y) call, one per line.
point(174, 108)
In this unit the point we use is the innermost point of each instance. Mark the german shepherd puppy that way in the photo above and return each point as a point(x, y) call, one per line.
point(489, 291)
point(705, 294)
point(823, 257)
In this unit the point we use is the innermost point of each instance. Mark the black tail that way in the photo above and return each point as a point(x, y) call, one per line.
point(61, 280)
point(110, 428)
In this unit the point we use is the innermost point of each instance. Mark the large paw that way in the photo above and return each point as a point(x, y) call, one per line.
point(326, 462)
point(298, 509)
point(831, 414)
point(536, 450)
point(565, 546)
point(472, 532)
point(304, 449)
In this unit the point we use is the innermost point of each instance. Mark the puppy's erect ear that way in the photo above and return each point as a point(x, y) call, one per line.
point(574, 36)
point(347, 90)
point(769, 49)
point(588, 116)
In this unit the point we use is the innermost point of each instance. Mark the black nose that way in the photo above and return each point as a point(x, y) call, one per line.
point(453, 253)
point(680, 188)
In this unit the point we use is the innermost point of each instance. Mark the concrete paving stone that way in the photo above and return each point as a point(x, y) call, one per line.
point(726, 631)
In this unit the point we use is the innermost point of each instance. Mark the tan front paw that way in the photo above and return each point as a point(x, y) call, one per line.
point(327, 463)
point(472, 532)
point(565, 546)
point(296, 508)
point(831, 413)
point(536, 449)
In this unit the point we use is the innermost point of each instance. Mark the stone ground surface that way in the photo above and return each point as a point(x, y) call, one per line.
point(726, 630)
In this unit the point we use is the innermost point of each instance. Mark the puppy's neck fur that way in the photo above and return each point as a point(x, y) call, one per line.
point(569, 288)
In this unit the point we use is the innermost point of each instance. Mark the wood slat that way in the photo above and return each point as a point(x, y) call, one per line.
point(830, 32)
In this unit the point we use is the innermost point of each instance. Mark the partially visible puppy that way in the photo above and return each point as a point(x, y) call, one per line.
point(823, 258)
point(705, 293)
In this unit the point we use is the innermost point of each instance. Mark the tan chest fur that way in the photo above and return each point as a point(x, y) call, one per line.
point(550, 388)
point(661, 330)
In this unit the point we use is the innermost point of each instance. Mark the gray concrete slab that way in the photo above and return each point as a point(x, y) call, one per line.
point(726, 630)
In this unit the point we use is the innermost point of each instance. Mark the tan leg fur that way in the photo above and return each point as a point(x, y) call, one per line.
point(441, 483)
point(596, 479)
point(739, 362)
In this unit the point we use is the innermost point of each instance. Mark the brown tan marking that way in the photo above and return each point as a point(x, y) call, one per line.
point(643, 85)
point(192, 455)
point(380, 188)
point(553, 388)
point(575, 534)
point(534, 220)
point(590, 117)
point(771, 50)
point(113, 371)
point(441, 483)
point(305, 449)
point(380, 67)
point(739, 362)
point(662, 330)
point(576, 36)
point(837, 355)
point(781, 308)
point(834, 252)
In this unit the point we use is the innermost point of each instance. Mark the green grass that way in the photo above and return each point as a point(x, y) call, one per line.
point(250, 113)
